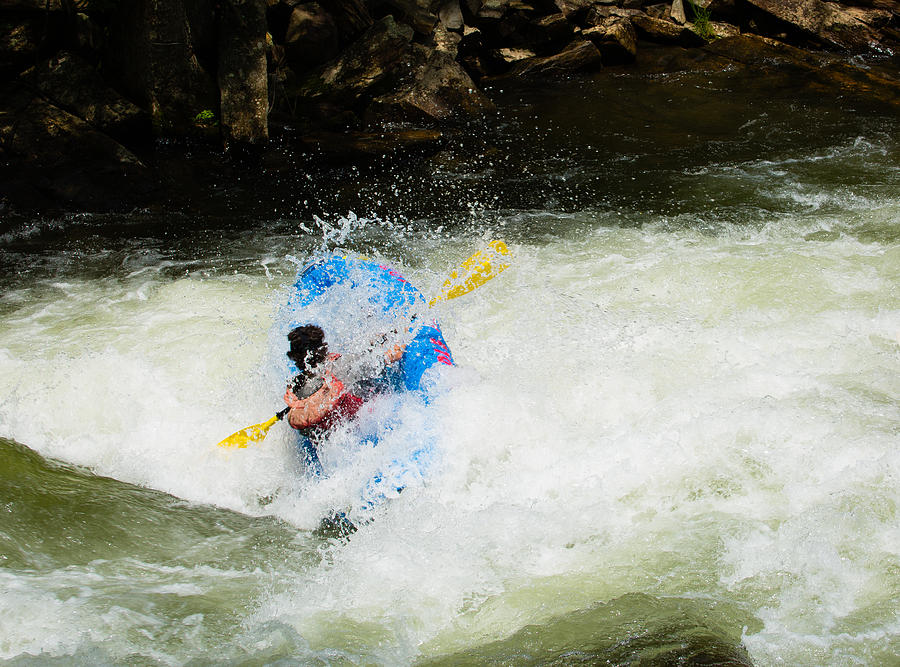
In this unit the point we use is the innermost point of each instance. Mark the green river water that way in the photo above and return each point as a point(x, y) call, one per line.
point(673, 436)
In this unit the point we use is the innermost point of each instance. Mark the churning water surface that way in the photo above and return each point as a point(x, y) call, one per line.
point(672, 433)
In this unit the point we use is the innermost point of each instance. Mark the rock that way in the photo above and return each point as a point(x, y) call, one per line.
point(34, 6)
point(491, 9)
point(420, 14)
point(721, 30)
point(659, 11)
point(369, 67)
point(242, 73)
point(437, 90)
point(511, 56)
point(615, 38)
point(351, 17)
point(824, 72)
point(73, 84)
point(545, 34)
point(597, 15)
point(26, 30)
point(850, 28)
point(450, 15)
point(580, 55)
point(445, 40)
point(719, 9)
point(64, 158)
point(677, 12)
point(310, 37)
point(666, 32)
point(574, 10)
point(19, 44)
point(552, 29)
point(476, 55)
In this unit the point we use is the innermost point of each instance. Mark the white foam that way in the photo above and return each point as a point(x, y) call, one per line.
point(639, 410)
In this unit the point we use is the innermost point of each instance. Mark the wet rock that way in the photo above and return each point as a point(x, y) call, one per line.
point(63, 158)
point(450, 15)
point(446, 40)
point(665, 31)
point(489, 9)
point(845, 27)
point(351, 17)
point(438, 90)
point(634, 629)
point(579, 56)
point(370, 66)
point(420, 14)
point(721, 30)
point(829, 73)
point(615, 38)
point(478, 57)
point(310, 37)
point(574, 10)
point(510, 56)
point(73, 84)
point(28, 31)
point(598, 15)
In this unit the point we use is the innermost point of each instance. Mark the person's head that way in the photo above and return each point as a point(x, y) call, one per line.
point(308, 346)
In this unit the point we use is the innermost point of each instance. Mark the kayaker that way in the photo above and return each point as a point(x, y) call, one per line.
point(331, 388)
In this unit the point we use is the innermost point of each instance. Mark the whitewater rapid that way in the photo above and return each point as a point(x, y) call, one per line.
point(673, 424)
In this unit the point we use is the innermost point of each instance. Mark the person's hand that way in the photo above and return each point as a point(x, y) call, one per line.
point(394, 354)
point(306, 412)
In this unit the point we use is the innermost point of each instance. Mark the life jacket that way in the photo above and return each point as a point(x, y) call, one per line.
point(343, 407)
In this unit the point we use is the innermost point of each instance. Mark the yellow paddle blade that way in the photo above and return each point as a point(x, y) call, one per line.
point(475, 271)
point(250, 434)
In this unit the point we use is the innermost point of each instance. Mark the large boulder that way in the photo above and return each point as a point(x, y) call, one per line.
point(73, 84)
point(311, 37)
point(26, 28)
point(438, 89)
point(59, 158)
point(351, 17)
point(369, 67)
point(422, 15)
point(851, 28)
point(665, 31)
point(580, 55)
point(615, 38)
point(823, 71)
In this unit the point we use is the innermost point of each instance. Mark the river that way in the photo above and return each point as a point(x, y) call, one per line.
point(672, 433)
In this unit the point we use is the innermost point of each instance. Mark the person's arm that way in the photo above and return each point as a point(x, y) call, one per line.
point(306, 412)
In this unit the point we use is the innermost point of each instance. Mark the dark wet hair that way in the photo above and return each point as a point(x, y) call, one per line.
point(308, 346)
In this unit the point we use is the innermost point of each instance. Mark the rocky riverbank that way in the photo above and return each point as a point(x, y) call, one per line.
point(108, 104)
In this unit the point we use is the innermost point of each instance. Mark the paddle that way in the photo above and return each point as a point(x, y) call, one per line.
point(472, 274)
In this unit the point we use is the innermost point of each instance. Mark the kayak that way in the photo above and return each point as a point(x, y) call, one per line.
point(387, 298)
point(356, 301)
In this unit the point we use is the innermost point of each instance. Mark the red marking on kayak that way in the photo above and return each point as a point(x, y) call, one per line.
point(443, 352)
point(393, 272)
